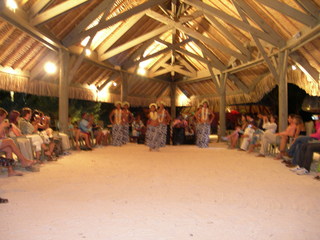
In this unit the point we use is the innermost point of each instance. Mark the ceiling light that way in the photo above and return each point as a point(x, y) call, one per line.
point(142, 71)
point(12, 5)
point(88, 52)
point(50, 68)
point(114, 84)
point(293, 67)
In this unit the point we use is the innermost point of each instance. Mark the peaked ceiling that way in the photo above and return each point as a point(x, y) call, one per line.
point(198, 45)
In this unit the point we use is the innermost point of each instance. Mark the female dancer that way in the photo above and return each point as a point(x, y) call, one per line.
point(204, 118)
point(127, 120)
point(164, 119)
point(116, 120)
point(152, 136)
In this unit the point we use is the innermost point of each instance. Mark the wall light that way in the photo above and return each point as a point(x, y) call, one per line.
point(114, 84)
point(293, 67)
point(50, 67)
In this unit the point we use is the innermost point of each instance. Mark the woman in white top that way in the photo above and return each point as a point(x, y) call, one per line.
point(204, 118)
point(164, 119)
point(116, 120)
point(270, 127)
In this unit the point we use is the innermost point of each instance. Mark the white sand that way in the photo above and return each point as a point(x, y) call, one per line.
point(182, 192)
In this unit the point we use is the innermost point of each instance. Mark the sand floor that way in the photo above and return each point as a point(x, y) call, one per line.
point(182, 192)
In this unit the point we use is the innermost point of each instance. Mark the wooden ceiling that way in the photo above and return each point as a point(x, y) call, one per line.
point(195, 44)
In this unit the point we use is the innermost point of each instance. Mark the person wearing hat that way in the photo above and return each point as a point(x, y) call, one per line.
point(204, 118)
point(116, 119)
point(164, 120)
point(127, 118)
point(152, 135)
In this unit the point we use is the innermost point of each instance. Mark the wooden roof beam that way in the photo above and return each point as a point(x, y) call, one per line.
point(119, 33)
point(38, 6)
point(170, 47)
point(134, 42)
point(197, 57)
point(104, 6)
point(207, 9)
point(259, 45)
point(215, 62)
point(229, 36)
point(287, 10)
point(56, 11)
point(304, 65)
point(162, 61)
point(195, 34)
point(120, 17)
point(20, 21)
point(258, 20)
point(310, 7)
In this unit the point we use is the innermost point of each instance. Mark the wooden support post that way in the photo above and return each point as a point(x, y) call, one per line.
point(283, 90)
point(63, 89)
point(124, 87)
point(173, 88)
point(222, 109)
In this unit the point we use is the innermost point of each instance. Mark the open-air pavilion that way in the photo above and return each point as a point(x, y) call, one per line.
point(179, 51)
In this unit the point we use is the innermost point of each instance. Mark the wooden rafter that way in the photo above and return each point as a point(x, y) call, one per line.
point(246, 8)
point(104, 6)
point(119, 33)
point(285, 9)
point(106, 23)
point(56, 11)
point(259, 45)
point(195, 34)
point(38, 6)
point(207, 9)
point(229, 36)
point(134, 42)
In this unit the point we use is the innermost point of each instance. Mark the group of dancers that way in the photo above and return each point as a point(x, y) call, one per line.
point(158, 120)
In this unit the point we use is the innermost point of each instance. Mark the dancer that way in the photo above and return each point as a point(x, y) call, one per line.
point(127, 120)
point(204, 118)
point(164, 119)
point(153, 140)
point(116, 120)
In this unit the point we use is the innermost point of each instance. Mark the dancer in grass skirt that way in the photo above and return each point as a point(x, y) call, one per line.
point(164, 119)
point(204, 118)
point(116, 119)
point(153, 140)
point(127, 120)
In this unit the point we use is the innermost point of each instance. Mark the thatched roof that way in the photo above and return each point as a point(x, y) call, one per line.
point(191, 43)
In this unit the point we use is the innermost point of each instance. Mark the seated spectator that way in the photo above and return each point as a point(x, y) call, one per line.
point(285, 138)
point(268, 126)
point(35, 121)
point(239, 130)
point(305, 157)
point(14, 132)
point(275, 138)
point(96, 131)
point(29, 131)
point(248, 133)
point(294, 150)
point(8, 146)
point(137, 128)
point(85, 128)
